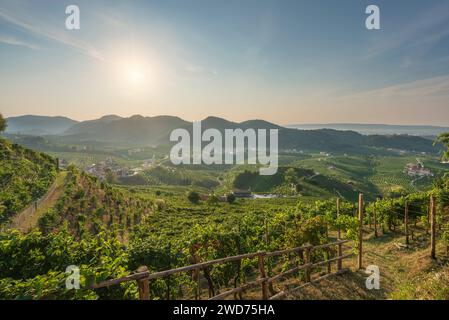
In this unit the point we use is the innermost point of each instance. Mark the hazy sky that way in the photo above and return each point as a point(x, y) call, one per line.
point(286, 61)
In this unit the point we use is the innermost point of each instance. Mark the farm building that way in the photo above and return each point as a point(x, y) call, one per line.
point(417, 170)
point(242, 193)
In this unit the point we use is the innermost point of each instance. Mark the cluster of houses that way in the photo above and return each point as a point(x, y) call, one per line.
point(241, 194)
point(294, 151)
point(102, 168)
point(417, 170)
point(238, 193)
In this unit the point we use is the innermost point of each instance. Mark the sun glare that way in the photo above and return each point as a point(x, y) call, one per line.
point(134, 74)
point(138, 73)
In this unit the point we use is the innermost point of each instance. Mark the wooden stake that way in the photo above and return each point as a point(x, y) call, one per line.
point(308, 260)
point(263, 275)
point(198, 284)
point(267, 239)
point(360, 260)
point(143, 285)
point(406, 223)
point(432, 228)
point(338, 213)
point(375, 220)
point(340, 253)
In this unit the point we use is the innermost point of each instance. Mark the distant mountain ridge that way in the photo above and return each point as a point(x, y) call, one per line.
point(140, 130)
point(90, 125)
point(39, 125)
point(381, 129)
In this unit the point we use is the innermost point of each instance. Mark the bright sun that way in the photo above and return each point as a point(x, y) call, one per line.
point(134, 74)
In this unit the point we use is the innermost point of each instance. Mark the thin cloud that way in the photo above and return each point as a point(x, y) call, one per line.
point(53, 34)
point(112, 20)
point(431, 87)
point(15, 42)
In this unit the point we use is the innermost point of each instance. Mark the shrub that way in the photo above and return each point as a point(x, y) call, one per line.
point(230, 198)
point(193, 197)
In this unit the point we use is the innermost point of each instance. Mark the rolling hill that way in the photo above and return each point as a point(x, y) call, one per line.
point(139, 130)
point(90, 126)
point(376, 129)
point(39, 125)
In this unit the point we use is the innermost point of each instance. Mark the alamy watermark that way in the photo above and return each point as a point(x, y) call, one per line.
point(73, 279)
point(73, 21)
point(373, 280)
point(230, 151)
point(372, 22)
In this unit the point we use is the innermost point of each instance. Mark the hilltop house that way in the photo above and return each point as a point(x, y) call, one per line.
point(417, 170)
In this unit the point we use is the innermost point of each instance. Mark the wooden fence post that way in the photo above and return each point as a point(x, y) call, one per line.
point(375, 220)
point(143, 284)
point(338, 214)
point(263, 275)
point(329, 264)
point(406, 222)
point(360, 262)
point(340, 253)
point(308, 261)
point(198, 283)
point(432, 228)
point(267, 239)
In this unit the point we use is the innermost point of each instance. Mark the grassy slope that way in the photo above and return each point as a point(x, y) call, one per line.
point(405, 272)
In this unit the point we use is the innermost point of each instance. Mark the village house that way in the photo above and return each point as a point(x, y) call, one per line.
point(412, 169)
point(242, 193)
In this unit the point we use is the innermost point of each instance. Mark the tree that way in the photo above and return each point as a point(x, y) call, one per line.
point(444, 139)
point(230, 198)
point(290, 176)
point(111, 177)
point(193, 197)
point(2, 123)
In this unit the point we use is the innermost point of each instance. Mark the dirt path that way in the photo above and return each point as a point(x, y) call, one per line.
point(27, 219)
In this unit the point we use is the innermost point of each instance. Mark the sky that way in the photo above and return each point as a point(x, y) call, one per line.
point(285, 61)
